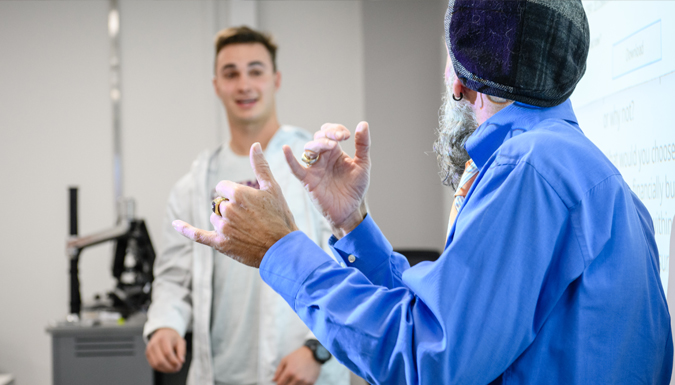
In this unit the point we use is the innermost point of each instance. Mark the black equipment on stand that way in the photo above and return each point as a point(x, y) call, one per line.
point(102, 342)
point(132, 263)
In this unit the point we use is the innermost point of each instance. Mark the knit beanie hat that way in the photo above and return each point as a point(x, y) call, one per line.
point(532, 51)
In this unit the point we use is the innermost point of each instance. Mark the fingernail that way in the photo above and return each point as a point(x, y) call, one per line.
point(257, 148)
point(177, 225)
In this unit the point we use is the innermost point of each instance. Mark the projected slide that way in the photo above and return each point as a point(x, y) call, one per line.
point(626, 103)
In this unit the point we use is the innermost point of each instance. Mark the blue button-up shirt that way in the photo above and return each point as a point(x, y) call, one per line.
point(550, 275)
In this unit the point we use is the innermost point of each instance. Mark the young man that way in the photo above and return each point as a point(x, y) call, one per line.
point(550, 273)
point(243, 332)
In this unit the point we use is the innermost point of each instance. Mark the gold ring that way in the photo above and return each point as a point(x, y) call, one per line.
point(311, 159)
point(215, 205)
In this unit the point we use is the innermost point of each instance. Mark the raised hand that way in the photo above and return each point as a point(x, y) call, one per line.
point(336, 182)
point(251, 220)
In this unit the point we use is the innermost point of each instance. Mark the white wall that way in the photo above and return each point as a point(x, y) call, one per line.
point(54, 132)
point(404, 80)
point(169, 113)
point(321, 61)
point(55, 127)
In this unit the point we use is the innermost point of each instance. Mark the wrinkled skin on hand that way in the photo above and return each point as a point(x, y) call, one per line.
point(251, 220)
point(337, 183)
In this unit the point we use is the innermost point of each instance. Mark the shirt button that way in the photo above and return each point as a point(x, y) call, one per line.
point(351, 258)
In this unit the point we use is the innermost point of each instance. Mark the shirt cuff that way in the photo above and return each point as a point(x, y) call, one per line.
point(364, 248)
point(289, 262)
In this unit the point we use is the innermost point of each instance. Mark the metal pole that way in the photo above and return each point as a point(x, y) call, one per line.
point(75, 298)
point(115, 98)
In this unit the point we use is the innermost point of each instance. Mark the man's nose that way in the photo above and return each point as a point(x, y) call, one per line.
point(244, 83)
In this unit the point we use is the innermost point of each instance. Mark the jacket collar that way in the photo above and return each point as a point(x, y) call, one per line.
point(509, 122)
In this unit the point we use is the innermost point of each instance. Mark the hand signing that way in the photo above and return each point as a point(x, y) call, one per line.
point(251, 220)
point(336, 182)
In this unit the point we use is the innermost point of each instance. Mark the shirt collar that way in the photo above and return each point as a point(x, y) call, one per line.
point(509, 122)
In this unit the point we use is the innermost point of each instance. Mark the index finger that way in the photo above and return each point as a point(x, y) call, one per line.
point(204, 237)
point(296, 168)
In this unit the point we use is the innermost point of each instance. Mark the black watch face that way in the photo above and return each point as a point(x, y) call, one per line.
point(322, 354)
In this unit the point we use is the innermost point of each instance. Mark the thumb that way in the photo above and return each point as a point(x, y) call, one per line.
point(280, 370)
point(261, 168)
point(362, 142)
point(180, 349)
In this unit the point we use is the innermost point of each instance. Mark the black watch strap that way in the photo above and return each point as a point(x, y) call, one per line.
point(321, 354)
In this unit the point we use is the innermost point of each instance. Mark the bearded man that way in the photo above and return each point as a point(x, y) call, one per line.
point(550, 273)
point(457, 123)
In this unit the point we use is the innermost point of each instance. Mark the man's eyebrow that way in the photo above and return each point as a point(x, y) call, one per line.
point(251, 64)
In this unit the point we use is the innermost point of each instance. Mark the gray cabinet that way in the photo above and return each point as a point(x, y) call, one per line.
point(109, 354)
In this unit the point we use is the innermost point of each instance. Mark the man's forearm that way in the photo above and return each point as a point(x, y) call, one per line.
point(168, 308)
point(339, 304)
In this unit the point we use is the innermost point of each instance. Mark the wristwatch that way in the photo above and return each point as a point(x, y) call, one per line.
point(321, 355)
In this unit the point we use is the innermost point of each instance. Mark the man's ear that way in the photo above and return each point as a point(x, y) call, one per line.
point(458, 88)
point(467, 93)
point(215, 88)
point(277, 80)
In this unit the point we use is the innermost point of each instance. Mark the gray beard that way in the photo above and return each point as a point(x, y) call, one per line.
point(457, 121)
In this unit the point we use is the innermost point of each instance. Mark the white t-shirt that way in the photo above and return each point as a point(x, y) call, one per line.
point(235, 317)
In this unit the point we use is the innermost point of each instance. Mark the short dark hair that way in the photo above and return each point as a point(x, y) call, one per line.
point(245, 35)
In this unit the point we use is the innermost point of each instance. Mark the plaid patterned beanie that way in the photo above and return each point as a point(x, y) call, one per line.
point(532, 51)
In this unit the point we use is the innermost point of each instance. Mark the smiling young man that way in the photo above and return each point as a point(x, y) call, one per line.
point(243, 332)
